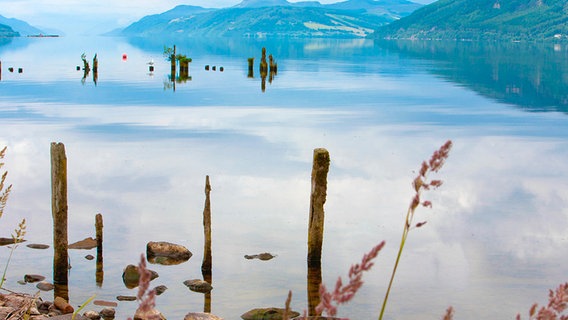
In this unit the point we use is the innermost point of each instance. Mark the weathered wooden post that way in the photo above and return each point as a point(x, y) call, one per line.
point(59, 214)
point(207, 265)
point(320, 169)
point(95, 63)
point(317, 200)
point(99, 273)
point(207, 255)
point(250, 73)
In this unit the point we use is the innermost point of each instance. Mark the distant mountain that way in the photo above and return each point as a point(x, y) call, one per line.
point(22, 27)
point(483, 19)
point(276, 18)
point(7, 31)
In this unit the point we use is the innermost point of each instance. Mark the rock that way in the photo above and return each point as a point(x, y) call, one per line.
point(261, 256)
point(45, 286)
point(103, 303)
point(87, 243)
point(126, 298)
point(267, 314)
point(198, 285)
point(167, 253)
point(160, 289)
point(31, 278)
point(92, 315)
point(107, 313)
point(201, 316)
point(37, 246)
point(7, 241)
point(152, 314)
point(131, 277)
point(89, 257)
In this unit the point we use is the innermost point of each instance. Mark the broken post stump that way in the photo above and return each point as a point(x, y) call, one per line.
point(317, 200)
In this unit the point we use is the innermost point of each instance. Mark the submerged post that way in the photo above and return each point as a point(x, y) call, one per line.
point(207, 255)
point(99, 273)
point(317, 200)
point(59, 214)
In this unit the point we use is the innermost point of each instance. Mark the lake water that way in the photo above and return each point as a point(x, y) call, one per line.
point(140, 146)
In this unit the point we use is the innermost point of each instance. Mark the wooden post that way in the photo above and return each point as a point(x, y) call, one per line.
point(99, 273)
point(207, 255)
point(317, 200)
point(207, 265)
point(59, 214)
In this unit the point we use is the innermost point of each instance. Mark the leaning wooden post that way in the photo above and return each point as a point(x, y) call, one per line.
point(99, 273)
point(317, 200)
point(207, 255)
point(59, 214)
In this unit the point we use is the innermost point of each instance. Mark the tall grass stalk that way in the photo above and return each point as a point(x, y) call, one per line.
point(420, 184)
point(4, 193)
point(17, 237)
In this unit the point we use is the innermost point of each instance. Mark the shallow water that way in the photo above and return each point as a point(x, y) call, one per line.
point(138, 152)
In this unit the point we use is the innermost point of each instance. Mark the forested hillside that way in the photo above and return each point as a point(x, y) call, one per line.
point(483, 19)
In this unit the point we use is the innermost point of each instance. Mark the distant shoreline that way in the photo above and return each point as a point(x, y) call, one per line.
point(43, 36)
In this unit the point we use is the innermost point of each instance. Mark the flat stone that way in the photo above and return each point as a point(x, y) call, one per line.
point(37, 246)
point(126, 298)
point(7, 241)
point(104, 303)
point(265, 256)
point(89, 257)
point(85, 244)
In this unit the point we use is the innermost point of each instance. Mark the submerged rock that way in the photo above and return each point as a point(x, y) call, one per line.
point(126, 298)
point(267, 314)
point(160, 289)
point(131, 276)
point(167, 253)
point(265, 256)
point(198, 285)
point(201, 316)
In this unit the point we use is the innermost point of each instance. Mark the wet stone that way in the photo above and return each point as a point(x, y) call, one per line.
point(37, 246)
point(267, 314)
point(167, 253)
point(201, 316)
point(45, 286)
point(31, 278)
point(89, 257)
point(108, 313)
point(265, 256)
point(126, 298)
point(85, 244)
point(160, 289)
point(198, 285)
point(131, 277)
point(104, 303)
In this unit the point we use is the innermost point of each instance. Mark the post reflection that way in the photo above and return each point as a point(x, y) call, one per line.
point(99, 273)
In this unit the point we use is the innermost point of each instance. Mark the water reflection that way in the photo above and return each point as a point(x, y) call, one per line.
point(533, 77)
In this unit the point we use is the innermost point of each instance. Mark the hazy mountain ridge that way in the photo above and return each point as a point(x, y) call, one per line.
point(257, 18)
point(19, 26)
point(483, 19)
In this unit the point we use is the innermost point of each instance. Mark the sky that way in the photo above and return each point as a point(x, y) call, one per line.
point(100, 16)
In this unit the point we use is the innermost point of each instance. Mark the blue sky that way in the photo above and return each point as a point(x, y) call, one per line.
point(99, 16)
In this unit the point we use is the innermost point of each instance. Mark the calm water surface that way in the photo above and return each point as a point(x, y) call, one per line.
point(138, 152)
